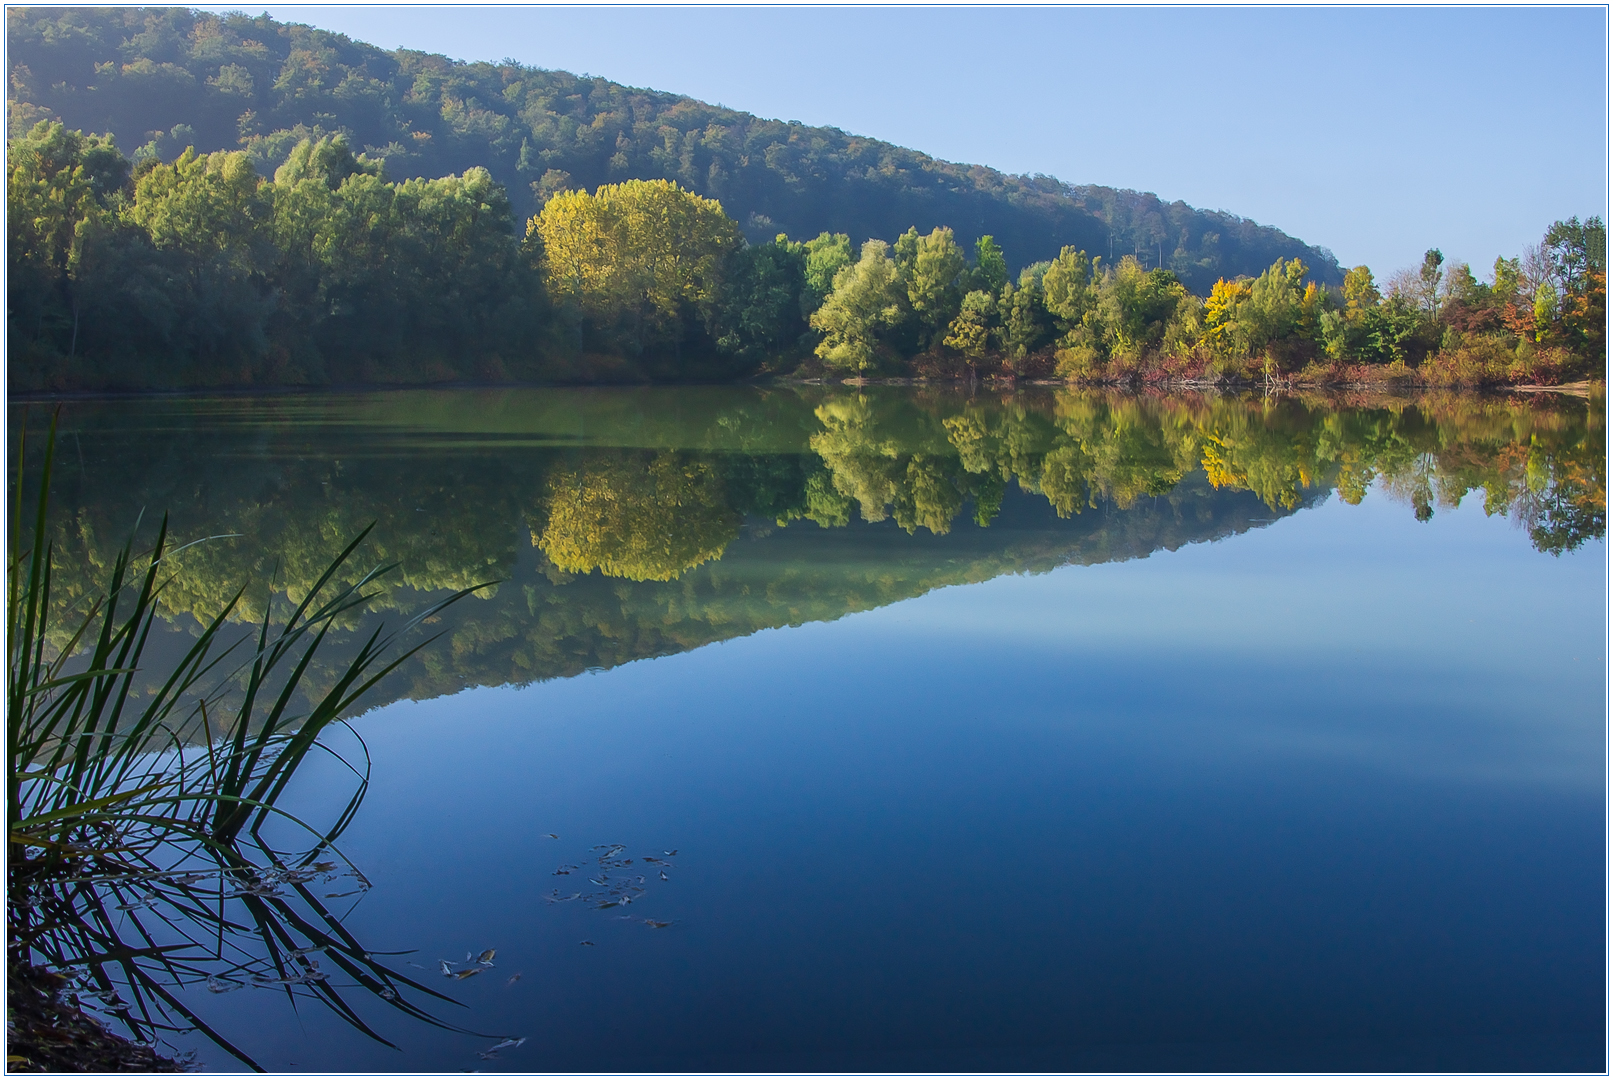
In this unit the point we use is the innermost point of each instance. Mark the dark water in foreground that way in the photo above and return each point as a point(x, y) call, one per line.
point(1239, 737)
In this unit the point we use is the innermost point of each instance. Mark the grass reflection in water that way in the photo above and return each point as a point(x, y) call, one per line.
point(147, 849)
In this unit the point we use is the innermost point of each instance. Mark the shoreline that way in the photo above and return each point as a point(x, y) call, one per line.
point(1581, 388)
point(48, 1031)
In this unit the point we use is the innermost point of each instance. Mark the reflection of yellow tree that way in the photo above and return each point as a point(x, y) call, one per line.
point(636, 516)
point(1268, 467)
point(1272, 452)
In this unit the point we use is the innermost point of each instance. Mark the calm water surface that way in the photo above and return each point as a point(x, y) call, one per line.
point(1035, 732)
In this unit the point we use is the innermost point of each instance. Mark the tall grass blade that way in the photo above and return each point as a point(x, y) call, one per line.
point(121, 805)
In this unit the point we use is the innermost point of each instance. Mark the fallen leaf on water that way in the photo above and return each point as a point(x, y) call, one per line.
point(513, 979)
point(654, 925)
point(468, 972)
point(585, 943)
point(487, 956)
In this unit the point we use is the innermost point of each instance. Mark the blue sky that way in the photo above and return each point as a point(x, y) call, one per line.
point(1376, 132)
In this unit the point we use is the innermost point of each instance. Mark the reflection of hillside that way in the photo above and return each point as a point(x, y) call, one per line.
point(774, 577)
point(627, 524)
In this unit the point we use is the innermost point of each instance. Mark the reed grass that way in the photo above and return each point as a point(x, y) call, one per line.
point(148, 852)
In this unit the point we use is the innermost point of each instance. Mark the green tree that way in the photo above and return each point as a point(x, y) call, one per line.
point(1572, 250)
point(760, 317)
point(1575, 256)
point(205, 205)
point(1027, 327)
point(63, 190)
point(864, 312)
point(1276, 305)
point(210, 219)
point(1068, 290)
point(934, 271)
point(971, 330)
point(826, 255)
point(1429, 276)
point(990, 271)
point(1136, 305)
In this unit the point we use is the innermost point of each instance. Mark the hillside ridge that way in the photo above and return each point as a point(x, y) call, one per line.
point(161, 79)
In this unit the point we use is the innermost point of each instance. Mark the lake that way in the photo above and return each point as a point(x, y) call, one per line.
point(1008, 731)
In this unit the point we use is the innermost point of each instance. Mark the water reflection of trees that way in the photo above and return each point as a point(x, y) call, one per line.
point(615, 553)
point(636, 515)
point(922, 462)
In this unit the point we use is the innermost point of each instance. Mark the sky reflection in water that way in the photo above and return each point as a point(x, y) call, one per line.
point(1325, 793)
point(1280, 801)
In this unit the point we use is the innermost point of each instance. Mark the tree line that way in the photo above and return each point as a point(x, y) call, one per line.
point(921, 307)
point(200, 271)
point(160, 79)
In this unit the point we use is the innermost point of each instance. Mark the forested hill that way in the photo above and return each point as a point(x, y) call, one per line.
point(161, 79)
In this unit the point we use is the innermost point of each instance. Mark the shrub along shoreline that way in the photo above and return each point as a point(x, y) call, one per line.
point(200, 273)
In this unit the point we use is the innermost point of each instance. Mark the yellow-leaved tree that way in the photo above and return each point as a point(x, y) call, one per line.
point(633, 258)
